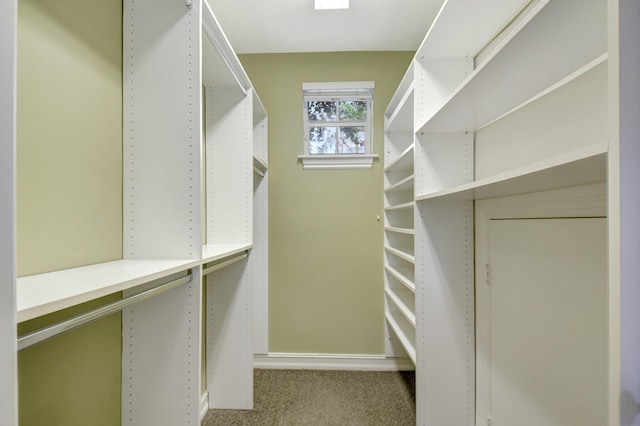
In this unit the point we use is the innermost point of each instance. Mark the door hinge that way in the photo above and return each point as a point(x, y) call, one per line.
point(487, 273)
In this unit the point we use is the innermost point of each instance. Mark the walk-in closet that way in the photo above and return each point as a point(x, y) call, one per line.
point(202, 198)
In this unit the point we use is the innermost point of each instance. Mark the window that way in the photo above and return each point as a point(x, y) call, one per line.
point(338, 125)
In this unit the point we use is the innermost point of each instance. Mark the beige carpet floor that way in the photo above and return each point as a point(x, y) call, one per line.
point(325, 398)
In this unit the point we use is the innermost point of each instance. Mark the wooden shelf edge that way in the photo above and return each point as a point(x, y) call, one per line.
point(580, 167)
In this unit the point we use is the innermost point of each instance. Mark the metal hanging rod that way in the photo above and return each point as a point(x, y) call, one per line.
point(42, 334)
point(258, 171)
point(224, 262)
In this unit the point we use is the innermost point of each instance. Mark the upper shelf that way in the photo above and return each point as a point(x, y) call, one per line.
point(399, 112)
point(406, 85)
point(463, 27)
point(546, 45)
point(42, 294)
point(579, 167)
point(220, 65)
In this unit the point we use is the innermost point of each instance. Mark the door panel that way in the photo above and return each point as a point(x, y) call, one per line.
point(548, 322)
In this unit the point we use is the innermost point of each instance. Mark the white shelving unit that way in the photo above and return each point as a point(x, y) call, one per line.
point(170, 53)
point(399, 205)
point(502, 98)
point(228, 149)
point(260, 252)
point(8, 343)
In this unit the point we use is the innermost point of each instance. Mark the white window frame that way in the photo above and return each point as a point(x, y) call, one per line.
point(348, 90)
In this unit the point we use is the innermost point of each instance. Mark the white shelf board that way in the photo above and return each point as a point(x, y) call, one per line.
point(402, 299)
point(259, 165)
point(407, 342)
point(568, 79)
point(43, 294)
point(405, 253)
point(402, 206)
point(401, 121)
point(401, 273)
point(213, 252)
point(400, 95)
point(463, 27)
point(218, 56)
point(408, 231)
point(579, 167)
point(405, 184)
point(505, 80)
point(403, 162)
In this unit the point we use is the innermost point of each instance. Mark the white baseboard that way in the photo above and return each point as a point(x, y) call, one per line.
point(294, 361)
point(204, 404)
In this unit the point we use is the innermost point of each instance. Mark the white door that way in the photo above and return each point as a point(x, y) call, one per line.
point(548, 322)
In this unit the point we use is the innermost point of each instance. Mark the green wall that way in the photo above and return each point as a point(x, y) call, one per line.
point(325, 239)
point(69, 212)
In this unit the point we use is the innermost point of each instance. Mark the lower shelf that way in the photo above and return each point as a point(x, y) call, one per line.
point(405, 333)
point(42, 294)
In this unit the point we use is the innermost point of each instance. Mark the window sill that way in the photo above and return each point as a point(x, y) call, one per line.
point(344, 161)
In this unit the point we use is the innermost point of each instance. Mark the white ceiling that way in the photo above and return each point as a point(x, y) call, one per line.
point(277, 26)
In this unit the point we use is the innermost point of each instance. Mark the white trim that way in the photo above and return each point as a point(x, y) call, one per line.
point(204, 404)
point(310, 361)
point(331, 86)
point(331, 161)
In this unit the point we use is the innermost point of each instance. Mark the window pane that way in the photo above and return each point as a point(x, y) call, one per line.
point(322, 140)
point(353, 111)
point(322, 110)
point(352, 140)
